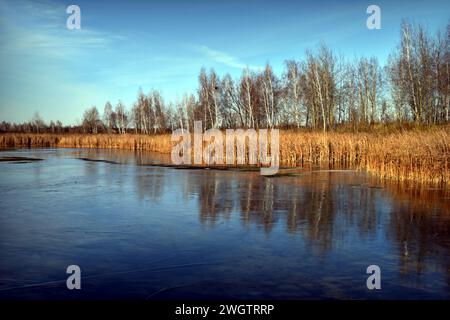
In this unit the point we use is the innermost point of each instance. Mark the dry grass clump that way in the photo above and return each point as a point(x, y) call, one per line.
point(416, 155)
point(422, 156)
point(158, 143)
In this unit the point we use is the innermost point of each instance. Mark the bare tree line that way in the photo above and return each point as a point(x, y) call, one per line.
point(321, 93)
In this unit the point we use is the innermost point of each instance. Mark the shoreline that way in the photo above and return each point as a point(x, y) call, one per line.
point(418, 156)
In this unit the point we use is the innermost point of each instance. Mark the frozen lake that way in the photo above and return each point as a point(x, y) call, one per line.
point(148, 232)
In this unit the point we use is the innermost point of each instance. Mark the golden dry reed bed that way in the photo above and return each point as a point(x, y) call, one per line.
point(415, 155)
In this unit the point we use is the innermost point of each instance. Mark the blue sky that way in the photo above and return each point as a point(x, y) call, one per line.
point(126, 45)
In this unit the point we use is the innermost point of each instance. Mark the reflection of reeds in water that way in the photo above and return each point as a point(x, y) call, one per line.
point(420, 225)
point(421, 156)
point(322, 208)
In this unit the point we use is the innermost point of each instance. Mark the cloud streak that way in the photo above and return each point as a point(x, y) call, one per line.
point(225, 58)
point(41, 31)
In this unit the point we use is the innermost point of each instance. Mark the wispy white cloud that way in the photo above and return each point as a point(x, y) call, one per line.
point(225, 58)
point(59, 72)
point(38, 28)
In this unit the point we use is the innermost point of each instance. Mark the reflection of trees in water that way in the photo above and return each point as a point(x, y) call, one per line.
point(91, 170)
point(317, 215)
point(313, 207)
point(420, 225)
point(150, 184)
point(324, 208)
point(256, 202)
point(215, 198)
